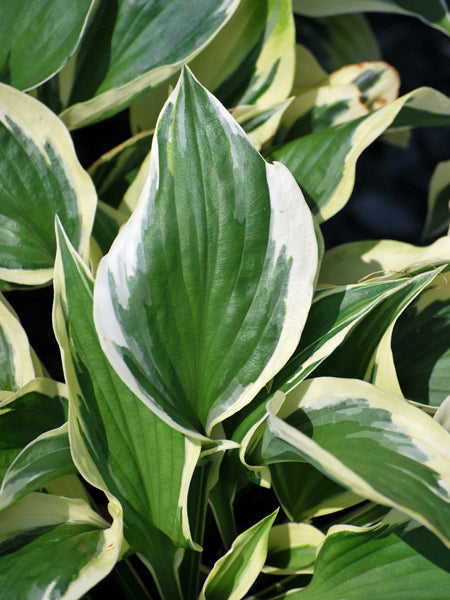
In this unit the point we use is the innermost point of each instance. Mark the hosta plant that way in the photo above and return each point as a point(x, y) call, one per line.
point(244, 412)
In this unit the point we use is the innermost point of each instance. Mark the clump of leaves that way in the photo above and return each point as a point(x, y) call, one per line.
point(243, 411)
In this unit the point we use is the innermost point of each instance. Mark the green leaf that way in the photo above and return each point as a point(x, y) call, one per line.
point(204, 293)
point(25, 415)
point(305, 492)
point(438, 214)
point(114, 172)
point(365, 439)
point(402, 561)
point(292, 548)
point(338, 40)
point(130, 49)
point(433, 12)
point(54, 547)
point(334, 313)
point(16, 358)
point(249, 62)
point(44, 459)
point(323, 162)
point(420, 345)
point(49, 181)
point(118, 444)
point(378, 260)
point(365, 353)
point(234, 573)
point(46, 30)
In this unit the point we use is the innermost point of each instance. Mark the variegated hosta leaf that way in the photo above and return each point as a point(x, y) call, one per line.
point(403, 561)
point(433, 12)
point(349, 93)
point(334, 313)
point(421, 345)
point(368, 441)
point(128, 51)
point(438, 215)
point(365, 353)
point(16, 358)
point(250, 62)
point(55, 547)
point(234, 574)
point(114, 172)
point(378, 259)
point(31, 411)
point(323, 162)
point(292, 548)
point(40, 176)
point(117, 443)
point(204, 293)
point(336, 41)
point(38, 38)
point(44, 459)
point(304, 492)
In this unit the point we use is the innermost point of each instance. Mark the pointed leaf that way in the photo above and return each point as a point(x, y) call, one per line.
point(117, 443)
point(38, 166)
point(204, 293)
point(53, 547)
point(366, 440)
point(234, 573)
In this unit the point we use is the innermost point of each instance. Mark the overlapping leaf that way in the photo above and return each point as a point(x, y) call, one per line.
point(36, 408)
point(438, 214)
point(421, 345)
point(27, 59)
point(323, 163)
point(433, 12)
point(204, 293)
point(337, 40)
point(40, 176)
point(16, 355)
point(234, 573)
point(117, 443)
point(54, 547)
point(403, 561)
point(366, 440)
point(130, 48)
point(250, 62)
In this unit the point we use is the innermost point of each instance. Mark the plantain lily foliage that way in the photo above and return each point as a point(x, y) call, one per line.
point(243, 412)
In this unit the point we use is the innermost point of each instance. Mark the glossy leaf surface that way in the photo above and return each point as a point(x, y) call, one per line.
point(433, 12)
point(323, 163)
point(366, 439)
point(404, 561)
point(27, 59)
point(54, 547)
point(204, 293)
point(130, 48)
point(234, 573)
point(40, 176)
point(118, 444)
